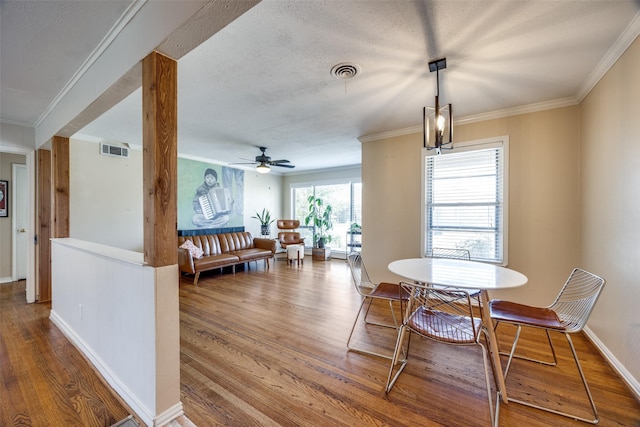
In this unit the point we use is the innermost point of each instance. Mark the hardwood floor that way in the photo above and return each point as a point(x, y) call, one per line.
point(267, 348)
point(44, 380)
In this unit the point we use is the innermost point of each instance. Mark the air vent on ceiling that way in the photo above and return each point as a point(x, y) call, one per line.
point(113, 150)
point(345, 71)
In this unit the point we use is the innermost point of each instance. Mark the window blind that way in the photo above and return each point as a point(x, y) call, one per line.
point(465, 202)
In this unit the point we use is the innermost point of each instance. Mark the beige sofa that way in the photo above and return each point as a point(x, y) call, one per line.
point(223, 250)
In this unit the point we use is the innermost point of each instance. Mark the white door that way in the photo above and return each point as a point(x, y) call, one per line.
point(20, 221)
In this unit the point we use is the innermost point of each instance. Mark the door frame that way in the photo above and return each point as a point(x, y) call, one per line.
point(31, 217)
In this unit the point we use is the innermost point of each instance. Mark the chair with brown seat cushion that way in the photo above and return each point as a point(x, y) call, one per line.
point(289, 236)
point(370, 291)
point(567, 315)
point(444, 316)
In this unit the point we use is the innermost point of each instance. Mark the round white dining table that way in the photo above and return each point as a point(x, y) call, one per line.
point(458, 273)
point(467, 275)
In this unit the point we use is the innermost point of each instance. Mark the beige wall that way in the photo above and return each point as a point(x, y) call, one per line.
point(544, 203)
point(573, 201)
point(6, 160)
point(391, 198)
point(611, 205)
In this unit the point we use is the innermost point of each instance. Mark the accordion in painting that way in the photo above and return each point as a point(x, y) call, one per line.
point(216, 202)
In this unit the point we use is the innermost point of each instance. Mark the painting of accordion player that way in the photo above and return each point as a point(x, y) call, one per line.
point(212, 204)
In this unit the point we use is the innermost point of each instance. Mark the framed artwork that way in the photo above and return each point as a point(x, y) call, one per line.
point(4, 198)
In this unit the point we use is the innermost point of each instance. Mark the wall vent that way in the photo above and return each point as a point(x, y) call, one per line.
point(113, 150)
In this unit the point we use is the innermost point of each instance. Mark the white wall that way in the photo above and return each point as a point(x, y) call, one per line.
point(610, 243)
point(261, 191)
point(14, 136)
point(21, 140)
point(123, 316)
point(105, 200)
point(106, 197)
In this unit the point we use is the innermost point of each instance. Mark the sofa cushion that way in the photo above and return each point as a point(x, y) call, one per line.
point(235, 241)
point(251, 254)
point(195, 251)
point(215, 261)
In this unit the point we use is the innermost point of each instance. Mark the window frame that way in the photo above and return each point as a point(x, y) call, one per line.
point(481, 144)
point(351, 182)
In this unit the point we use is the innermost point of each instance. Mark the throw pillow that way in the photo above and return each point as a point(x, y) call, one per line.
point(195, 251)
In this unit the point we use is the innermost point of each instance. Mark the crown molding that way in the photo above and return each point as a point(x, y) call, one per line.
point(623, 42)
point(131, 11)
point(515, 111)
point(16, 123)
point(498, 114)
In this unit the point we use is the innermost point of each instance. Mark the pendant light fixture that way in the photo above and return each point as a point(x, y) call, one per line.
point(437, 122)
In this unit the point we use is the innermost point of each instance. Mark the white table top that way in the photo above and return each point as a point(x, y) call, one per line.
point(458, 273)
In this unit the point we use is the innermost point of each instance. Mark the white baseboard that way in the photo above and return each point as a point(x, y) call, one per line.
point(141, 411)
point(169, 415)
point(626, 376)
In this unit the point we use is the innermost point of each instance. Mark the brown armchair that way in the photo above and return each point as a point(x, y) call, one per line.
point(289, 237)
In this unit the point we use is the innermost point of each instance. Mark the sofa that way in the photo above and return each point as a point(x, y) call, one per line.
point(221, 250)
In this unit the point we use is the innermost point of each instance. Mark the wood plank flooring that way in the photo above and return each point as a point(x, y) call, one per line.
point(267, 348)
point(44, 380)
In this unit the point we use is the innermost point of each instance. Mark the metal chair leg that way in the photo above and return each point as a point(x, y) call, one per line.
point(595, 420)
point(355, 322)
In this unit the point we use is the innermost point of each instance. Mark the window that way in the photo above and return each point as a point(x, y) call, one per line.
point(465, 199)
point(344, 198)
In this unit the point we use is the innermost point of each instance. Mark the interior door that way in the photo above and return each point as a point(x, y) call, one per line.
point(19, 222)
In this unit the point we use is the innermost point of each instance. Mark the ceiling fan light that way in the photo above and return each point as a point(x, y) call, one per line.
point(263, 168)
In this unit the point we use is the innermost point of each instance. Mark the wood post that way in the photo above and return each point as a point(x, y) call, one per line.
point(160, 159)
point(43, 202)
point(60, 187)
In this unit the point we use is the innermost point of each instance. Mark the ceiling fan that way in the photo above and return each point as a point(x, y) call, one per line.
point(263, 161)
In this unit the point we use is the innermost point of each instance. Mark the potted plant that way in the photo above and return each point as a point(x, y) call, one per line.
point(320, 216)
point(265, 221)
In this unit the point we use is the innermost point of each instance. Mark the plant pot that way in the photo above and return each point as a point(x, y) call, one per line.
point(321, 242)
point(265, 230)
point(321, 254)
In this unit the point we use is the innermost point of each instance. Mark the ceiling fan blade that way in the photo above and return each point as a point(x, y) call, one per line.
point(280, 161)
point(282, 165)
point(243, 163)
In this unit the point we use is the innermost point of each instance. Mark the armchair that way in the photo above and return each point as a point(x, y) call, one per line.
point(289, 236)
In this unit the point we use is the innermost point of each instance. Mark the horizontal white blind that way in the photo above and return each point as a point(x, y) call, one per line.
point(465, 202)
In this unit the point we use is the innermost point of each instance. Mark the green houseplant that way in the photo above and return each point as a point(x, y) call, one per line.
point(265, 221)
point(320, 217)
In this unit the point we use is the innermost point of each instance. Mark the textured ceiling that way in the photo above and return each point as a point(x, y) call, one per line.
point(265, 80)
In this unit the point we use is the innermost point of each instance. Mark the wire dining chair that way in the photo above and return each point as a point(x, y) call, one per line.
point(369, 292)
point(444, 315)
point(567, 315)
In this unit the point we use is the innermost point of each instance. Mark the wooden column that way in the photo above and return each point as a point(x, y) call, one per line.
point(160, 179)
point(160, 159)
point(43, 202)
point(60, 187)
